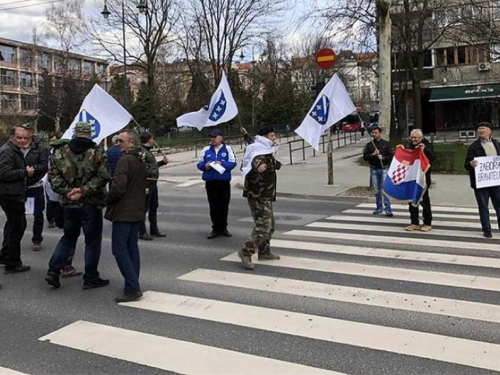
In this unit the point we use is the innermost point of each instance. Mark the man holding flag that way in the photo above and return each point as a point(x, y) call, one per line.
point(409, 179)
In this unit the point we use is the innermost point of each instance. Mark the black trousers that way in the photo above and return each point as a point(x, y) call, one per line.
point(426, 210)
point(13, 232)
point(152, 204)
point(219, 195)
point(55, 213)
point(38, 194)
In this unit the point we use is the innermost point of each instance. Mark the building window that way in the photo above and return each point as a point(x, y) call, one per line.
point(26, 79)
point(59, 64)
point(101, 70)
point(365, 93)
point(9, 101)
point(46, 61)
point(8, 53)
point(87, 68)
point(27, 103)
point(74, 66)
point(450, 56)
point(8, 77)
point(26, 57)
point(460, 55)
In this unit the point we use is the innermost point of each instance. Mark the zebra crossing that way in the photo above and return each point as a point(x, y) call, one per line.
point(387, 268)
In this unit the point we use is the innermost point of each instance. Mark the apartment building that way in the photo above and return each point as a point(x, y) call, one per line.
point(22, 66)
point(460, 81)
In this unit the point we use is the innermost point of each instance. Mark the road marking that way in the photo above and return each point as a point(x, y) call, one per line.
point(434, 215)
point(395, 240)
point(392, 300)
point(391, 220)
point(391, 254)
point(395, 229)
point(167, 354)
point(190, 183)
point(382, 272)
point(396, 340)
point(434, 208)
point(8, 371)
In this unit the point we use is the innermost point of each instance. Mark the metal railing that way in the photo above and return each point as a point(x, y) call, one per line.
point(339, 139)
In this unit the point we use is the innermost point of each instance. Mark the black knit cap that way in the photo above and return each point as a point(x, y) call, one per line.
point(266, 130)
point(484, 123)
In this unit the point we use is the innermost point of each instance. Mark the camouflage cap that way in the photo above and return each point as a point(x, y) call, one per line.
point(83, 127)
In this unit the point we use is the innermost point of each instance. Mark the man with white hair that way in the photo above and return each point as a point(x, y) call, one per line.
point(417, 140)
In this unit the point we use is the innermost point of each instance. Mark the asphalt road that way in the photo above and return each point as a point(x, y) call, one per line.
point(370, 299)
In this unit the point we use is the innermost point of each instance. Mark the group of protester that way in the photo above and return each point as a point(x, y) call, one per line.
point(82, 179)
point(378, 152)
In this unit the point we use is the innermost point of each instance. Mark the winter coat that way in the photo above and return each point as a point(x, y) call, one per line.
point(225, 155)
point(475, 150)
point(13, 174)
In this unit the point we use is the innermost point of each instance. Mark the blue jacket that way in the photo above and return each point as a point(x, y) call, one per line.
point(225, 155)
point(114, 154)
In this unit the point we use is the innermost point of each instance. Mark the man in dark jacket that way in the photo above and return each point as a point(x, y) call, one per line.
point(36, 156)
point(13, 175)
point(417, 140)
point(152, 202)
point(379, 154)
point(79, 174)
point(484, 145)
point(259, 167)
point(125, 208)
point(217, 183)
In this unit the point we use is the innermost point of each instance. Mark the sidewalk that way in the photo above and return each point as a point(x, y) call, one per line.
point(308, 179)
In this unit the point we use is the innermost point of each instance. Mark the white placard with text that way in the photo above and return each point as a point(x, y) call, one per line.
point(487, 171)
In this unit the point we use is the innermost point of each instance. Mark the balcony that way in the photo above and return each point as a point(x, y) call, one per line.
point(401, 75)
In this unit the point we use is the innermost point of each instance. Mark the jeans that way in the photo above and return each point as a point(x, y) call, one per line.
point(13, 231)
point(38, 194)
point(482, 197)
point(219, 196)
point(152, 203)
point(378, 178)
point(125, 248)
point(426, 210)
point(90, 219)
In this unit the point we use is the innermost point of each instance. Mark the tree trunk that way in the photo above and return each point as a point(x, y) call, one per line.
point(384, 60)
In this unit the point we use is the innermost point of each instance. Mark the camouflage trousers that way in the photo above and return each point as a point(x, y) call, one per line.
point(263, 217)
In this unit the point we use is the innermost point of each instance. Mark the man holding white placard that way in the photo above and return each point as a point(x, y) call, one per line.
point(216, 161)
point(477, 159)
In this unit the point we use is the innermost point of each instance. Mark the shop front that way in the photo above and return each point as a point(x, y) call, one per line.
point(462, 107)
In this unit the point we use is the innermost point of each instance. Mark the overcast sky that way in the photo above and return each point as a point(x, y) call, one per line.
point(19, 18)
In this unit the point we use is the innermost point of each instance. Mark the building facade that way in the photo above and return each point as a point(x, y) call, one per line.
point(22, 66)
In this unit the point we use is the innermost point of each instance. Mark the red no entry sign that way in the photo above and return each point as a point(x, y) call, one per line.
point(326, 58)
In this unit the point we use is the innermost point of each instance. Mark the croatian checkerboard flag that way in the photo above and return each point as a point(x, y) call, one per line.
point(406, 176)
point(221, 108)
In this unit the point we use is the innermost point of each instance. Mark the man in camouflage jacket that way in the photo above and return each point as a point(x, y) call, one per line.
point(152, 201)
point(259, 167)
point(79, 174)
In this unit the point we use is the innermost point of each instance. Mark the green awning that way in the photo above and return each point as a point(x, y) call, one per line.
point(475, 92)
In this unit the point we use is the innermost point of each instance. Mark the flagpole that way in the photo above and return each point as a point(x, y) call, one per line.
point(154, 142)
point(373, 143)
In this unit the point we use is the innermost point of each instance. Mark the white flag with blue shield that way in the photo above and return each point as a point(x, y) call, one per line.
point(221, 108)
point(105, 115)
point(332, 105)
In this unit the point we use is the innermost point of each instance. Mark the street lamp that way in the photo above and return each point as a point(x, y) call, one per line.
point(142, 6)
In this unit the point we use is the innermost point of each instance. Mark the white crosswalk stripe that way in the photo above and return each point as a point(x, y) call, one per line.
point(6, 371)
point(434, 208)
point(433, 278)
point(434, 215)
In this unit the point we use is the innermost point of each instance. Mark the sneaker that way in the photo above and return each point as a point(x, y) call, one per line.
point(389, 214)
point(412, 227)
point(425, 228)
point(53, 281)
point(487, 234)
point(17, 269)
point(129, 297)
point(51, 224)
point(70, 271)
point(98, 283)
point(145, 237)
point(37, 246)
point(246, 260)
point(377, 212)
point(269, 256)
